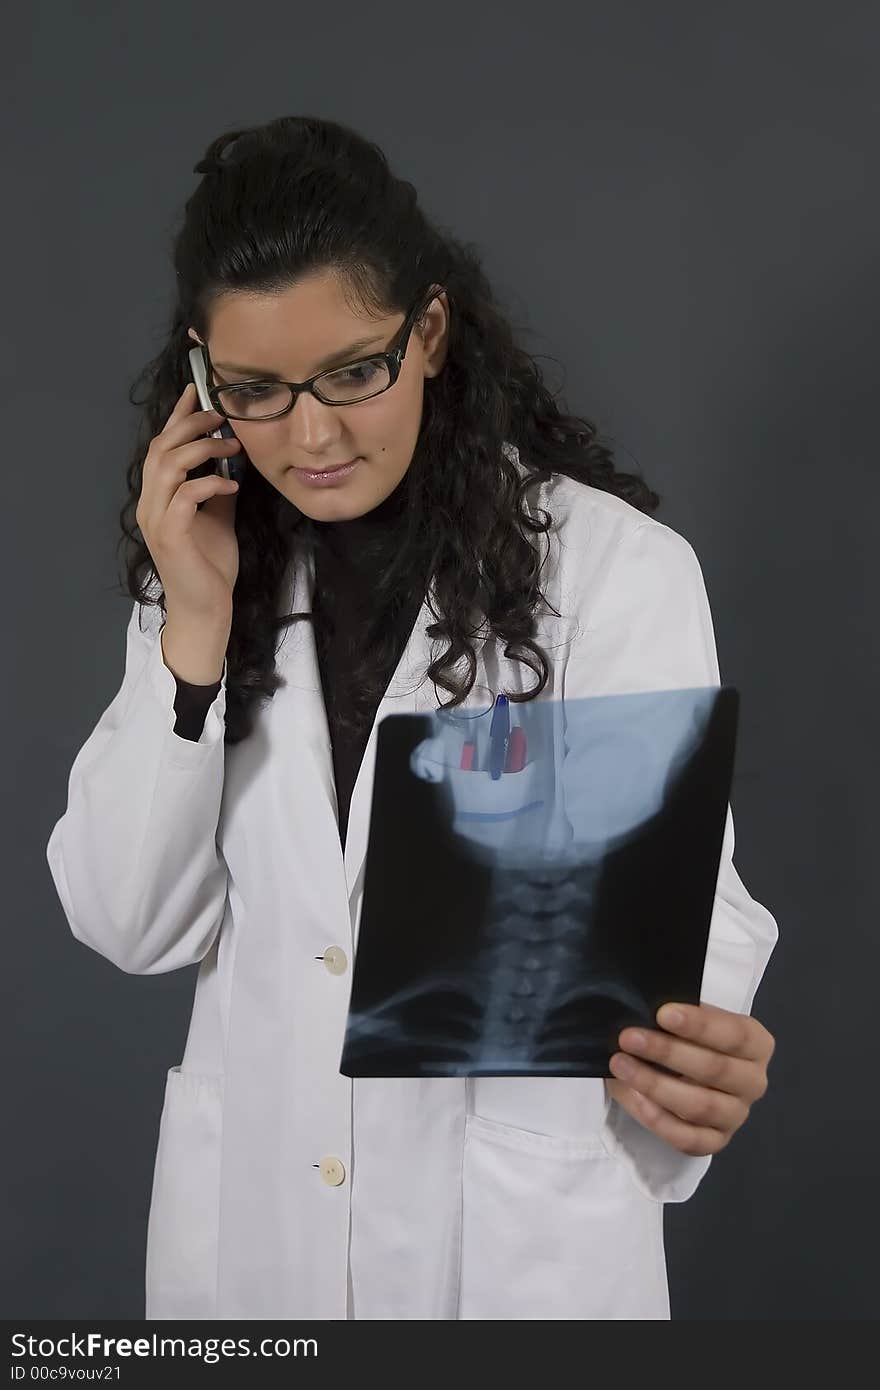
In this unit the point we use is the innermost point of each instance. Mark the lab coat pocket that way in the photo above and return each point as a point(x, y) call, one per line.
point(552, 1227)
point(181, 1259)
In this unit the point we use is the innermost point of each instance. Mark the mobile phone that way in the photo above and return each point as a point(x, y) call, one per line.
point(234, 467)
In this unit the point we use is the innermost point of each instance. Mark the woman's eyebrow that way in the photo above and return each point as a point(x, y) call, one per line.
point(344, 355)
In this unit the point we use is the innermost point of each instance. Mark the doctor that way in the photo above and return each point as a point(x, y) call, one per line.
point(217, 815)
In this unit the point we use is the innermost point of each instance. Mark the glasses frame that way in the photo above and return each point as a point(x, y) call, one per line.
point(393, 359)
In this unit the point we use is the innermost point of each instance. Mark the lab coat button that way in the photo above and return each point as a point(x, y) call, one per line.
point(335, 960)
point(332, 1171)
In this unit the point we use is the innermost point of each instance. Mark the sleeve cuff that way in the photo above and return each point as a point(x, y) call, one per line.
point(659, 1171)
point(164, 685)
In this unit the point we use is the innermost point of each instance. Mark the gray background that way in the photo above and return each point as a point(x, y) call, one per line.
point(678, 204)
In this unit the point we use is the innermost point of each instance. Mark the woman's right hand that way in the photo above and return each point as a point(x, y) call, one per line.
point(195, 551)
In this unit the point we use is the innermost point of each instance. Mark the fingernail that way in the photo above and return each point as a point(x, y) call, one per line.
point(673, 1017)
point(622, 1066)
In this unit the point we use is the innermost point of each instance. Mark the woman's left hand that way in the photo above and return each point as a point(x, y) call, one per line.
point(721, 1058)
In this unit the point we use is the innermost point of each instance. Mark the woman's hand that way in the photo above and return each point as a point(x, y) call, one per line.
point(721, 1059)
point(188, 525)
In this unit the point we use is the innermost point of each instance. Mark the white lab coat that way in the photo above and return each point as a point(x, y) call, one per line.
point(282, 1188)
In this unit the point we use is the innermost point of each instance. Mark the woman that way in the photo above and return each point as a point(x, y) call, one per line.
point(218, 813)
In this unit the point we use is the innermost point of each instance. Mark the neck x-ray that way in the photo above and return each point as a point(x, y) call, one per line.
point(528, 895)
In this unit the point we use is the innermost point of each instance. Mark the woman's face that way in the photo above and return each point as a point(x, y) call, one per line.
point(292, 335)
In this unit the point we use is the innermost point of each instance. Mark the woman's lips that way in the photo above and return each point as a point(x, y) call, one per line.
point(326, 477)
point(331, 469)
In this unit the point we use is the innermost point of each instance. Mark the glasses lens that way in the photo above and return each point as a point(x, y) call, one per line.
point(253, 402)
point(355, 382)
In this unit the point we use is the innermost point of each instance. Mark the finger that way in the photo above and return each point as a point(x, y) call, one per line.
point(738, 1035)
point(697, 1105)
point(695, 1140)
point(183, 403)
point(181, 506)
point(701, 1064)
point(187, 404)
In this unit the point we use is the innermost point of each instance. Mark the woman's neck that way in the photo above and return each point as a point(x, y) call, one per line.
point(351, 535)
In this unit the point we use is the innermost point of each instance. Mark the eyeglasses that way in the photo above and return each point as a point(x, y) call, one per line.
point(258, 399)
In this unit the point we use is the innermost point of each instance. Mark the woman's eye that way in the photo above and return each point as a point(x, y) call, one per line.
point(358, 374)
point(248, 393)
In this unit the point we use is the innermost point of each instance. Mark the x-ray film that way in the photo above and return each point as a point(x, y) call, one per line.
point(517, 916)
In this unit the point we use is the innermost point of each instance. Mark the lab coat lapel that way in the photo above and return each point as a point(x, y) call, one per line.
point(409, 691)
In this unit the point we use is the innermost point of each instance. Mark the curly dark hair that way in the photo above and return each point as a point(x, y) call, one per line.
point(301, 195)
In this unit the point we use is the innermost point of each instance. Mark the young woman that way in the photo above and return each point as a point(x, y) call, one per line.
point(218, 813)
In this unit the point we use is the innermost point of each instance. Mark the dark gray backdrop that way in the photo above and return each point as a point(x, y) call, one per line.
point(678, 204)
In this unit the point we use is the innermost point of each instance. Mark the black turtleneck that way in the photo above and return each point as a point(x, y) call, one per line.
point(347, 560)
